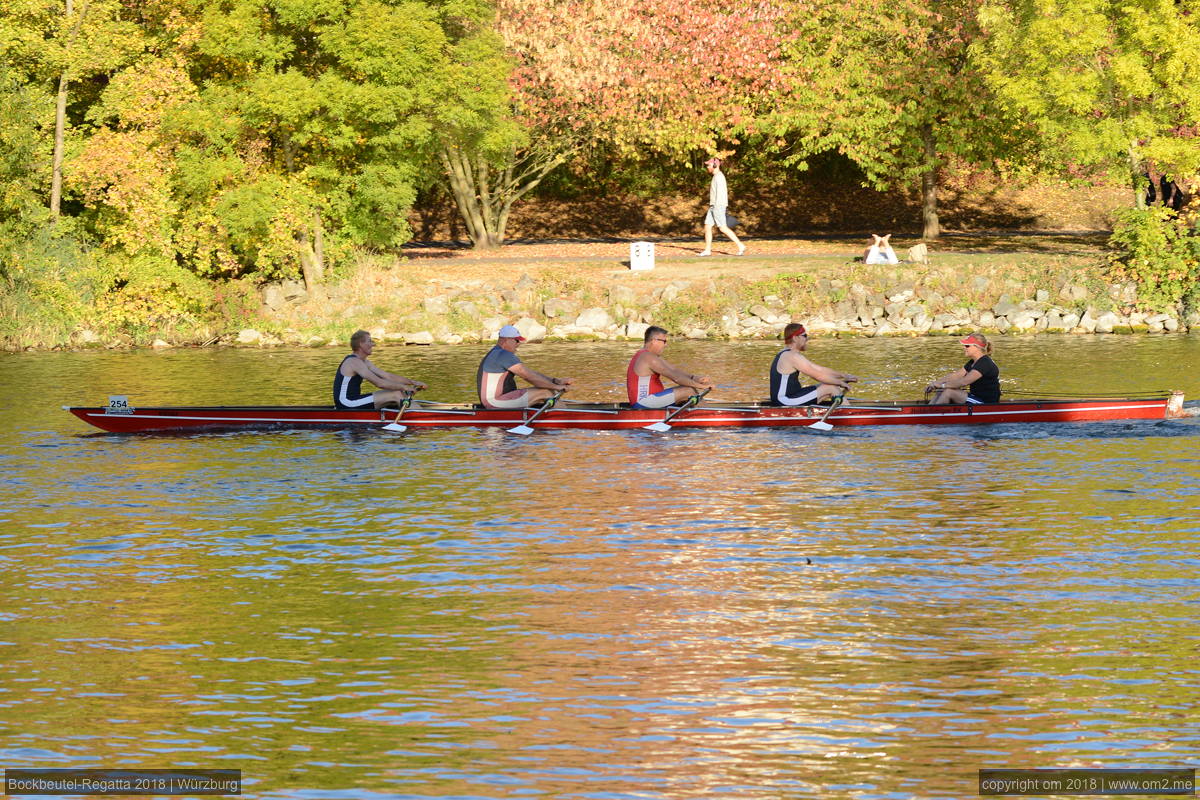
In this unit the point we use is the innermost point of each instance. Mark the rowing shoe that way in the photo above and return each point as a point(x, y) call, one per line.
point(523, 429)
point(691, 402)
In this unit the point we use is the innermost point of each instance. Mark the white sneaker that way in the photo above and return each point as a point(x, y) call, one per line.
point(706, 253)
point(742, 251)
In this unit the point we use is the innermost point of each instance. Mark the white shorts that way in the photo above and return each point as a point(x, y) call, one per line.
point(659, 400)
point(715, 216)
point(515, 399)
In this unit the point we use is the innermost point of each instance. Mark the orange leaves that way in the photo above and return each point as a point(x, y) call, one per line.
point(660, 73)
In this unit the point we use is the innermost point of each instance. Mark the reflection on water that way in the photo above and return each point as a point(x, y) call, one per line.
point(870, 613)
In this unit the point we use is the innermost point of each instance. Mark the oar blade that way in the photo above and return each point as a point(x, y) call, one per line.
point(395, 427)
point(658, 427)
point(520, 430)
point(821, 425)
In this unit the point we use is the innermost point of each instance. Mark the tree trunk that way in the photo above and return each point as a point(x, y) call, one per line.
point(461, 174)
point(60, 127)
point(929, 186)
point(1137, 178)
point(485, 198)
point(312, 256)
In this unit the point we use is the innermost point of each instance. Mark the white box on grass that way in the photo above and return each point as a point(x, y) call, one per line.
point(641, 255)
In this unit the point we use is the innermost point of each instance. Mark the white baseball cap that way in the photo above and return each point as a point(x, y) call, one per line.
point(510, 332)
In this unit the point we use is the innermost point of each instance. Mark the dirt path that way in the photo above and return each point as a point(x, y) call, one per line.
point(679, 258)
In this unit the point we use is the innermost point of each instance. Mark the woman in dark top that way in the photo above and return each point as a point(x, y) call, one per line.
point(977, 382)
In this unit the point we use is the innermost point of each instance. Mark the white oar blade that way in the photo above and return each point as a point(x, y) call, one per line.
point(821, 426)
point(658, 427)
point(520, 430)
point(395, 427)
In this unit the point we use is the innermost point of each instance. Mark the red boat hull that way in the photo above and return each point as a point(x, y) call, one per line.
point(619, 417)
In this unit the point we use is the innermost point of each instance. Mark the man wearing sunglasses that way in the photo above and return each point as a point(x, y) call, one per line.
point(647, 368)
point(791, 363)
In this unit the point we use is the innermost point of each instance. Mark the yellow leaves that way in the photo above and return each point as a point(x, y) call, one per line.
point(124, 173)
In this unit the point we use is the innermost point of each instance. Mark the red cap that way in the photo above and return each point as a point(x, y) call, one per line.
point(974, 339)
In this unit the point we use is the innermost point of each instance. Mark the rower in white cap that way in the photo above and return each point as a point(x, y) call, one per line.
point(500, 368)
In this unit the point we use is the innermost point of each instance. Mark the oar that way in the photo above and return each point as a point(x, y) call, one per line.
point(821, 424)
point(523, 429)
point(691, 402)
point(395, 426)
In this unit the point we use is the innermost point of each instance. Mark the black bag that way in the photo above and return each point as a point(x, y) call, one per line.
point(730, 220)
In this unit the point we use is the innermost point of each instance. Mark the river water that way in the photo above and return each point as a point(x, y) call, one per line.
point(869, 613)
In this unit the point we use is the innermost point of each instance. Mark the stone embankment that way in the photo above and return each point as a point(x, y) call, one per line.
point(901, 303)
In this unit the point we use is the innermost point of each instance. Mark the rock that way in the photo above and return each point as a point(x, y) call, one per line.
point(450, 338)
point(762, 312)
point(272, 296)
point(1003, 325)
point(293, 291)
point(932, 298)
point(438, 305)
point(249, 336)
point(531, 329)
point(595, 318)
point(1155, 319)
point(1023, 321)
point(87, 336)
point(466, 307)
point(1154, 327)
point(987, 319)
point(1170, 325)
point(1041, 296)
point(668, 293)
point(623, 295)
point(1106, 322)
point(159, 344)
point(1087, 323)
point(918, 254)
point(1070, 320)
point(1005, 307)
point(1053, 322)
point(883, 329)
point(922, 322)
point(424, 337)
point(525, 283)
point(558, 305)
point(696, 333)
point(636, 330)
point(900, 295)
point(315, 341)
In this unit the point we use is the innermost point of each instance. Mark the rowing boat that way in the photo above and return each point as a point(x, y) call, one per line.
point(121, 417)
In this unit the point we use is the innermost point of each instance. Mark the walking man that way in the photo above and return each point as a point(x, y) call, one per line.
point(718, 204)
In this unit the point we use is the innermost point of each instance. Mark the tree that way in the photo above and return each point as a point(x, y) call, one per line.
point(269, 133)
point(657, 75)
point(891, 85)
point(66, 42)
point(1109, 85)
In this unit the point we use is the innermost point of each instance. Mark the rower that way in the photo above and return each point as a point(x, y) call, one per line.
point(498, 372)
point(790, 363)
point(977, 382)
point(643, 377)
point(347, 382)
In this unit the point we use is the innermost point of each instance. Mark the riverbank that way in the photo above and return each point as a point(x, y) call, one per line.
point(578, 290)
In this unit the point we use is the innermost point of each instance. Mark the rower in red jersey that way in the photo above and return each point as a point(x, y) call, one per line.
point(647, 368)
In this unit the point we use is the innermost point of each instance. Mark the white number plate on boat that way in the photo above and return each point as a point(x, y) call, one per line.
point(118, 405)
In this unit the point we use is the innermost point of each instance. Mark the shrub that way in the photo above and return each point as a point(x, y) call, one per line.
point(1160, 251)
